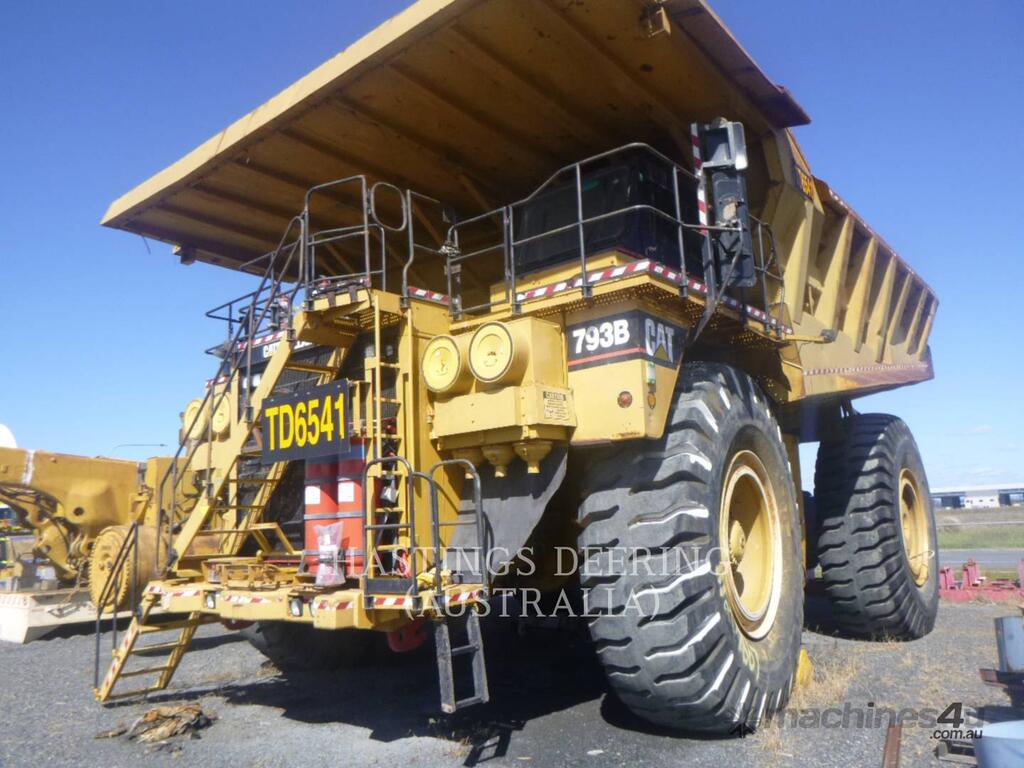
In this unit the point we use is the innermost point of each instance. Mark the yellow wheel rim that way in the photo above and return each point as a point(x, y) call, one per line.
point(914, 526)
point(750, 535)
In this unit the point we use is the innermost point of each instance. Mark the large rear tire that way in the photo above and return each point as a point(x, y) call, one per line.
point(877, 544)
point(292, 646)
point(136, 569)
point(688, 639)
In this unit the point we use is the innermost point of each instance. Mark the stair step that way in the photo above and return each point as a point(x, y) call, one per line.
point(310, 368)
point(141, 649)
point(146, 671)
point(147, 629)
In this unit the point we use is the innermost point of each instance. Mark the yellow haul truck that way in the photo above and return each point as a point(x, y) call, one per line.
point(538, 277)
point(69, 516)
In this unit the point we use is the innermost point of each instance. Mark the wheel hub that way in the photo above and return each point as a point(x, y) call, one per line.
point(750, 528)
point(914, 527)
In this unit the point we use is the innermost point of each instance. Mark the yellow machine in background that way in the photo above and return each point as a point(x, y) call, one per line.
point(77, 511)
point(573, 286)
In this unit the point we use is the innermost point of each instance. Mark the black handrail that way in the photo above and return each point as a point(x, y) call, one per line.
point(131, 543)
point(507, 241)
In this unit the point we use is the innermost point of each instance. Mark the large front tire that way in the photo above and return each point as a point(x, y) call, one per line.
point(293, 646)
point(877, 543)
point(689, 639)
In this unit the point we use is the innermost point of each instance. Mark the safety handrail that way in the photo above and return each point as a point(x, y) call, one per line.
point(371, 528)
point(508, 243)
point(227, 371)
point(483, 556)
point(129, 546)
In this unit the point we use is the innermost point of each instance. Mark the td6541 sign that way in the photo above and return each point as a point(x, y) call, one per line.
point(309, 425)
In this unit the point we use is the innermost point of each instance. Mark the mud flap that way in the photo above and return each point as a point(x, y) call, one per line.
point(512, 507)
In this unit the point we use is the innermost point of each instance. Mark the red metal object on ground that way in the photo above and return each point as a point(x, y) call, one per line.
point(976, 586)
point(972, 574)
point(947, 580)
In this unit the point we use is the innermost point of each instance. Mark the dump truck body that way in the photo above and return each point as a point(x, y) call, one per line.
point(477, 262)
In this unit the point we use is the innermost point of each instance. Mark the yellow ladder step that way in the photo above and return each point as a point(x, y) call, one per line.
point(156, 647)
point(187, 629)
point(310, 368)
point(146, 671)
point(169, 627)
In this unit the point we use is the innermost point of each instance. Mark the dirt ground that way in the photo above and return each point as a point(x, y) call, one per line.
point(549, 706)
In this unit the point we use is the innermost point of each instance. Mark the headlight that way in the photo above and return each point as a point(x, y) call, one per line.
point(221, 417)
point(210, 601)
point(495, 356)
point(191, 418)
point(444, 364)
point(295, 607)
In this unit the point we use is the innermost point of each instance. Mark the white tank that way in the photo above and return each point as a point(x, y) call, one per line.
point(7, 437)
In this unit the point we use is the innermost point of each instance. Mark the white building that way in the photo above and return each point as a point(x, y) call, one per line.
point(978, 496)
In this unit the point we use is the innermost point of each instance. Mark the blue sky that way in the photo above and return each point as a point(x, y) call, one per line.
point(916, 108)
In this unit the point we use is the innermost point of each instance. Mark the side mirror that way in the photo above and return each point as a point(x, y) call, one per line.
point(724, 145)
point(738, 146)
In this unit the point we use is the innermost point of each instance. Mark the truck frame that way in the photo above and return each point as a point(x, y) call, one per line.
point(429, 386)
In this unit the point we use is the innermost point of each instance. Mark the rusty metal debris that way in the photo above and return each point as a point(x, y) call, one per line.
point(162, 723)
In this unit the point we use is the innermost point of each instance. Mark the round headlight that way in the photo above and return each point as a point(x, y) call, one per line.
point(444, 365)
point(192, 418)
point(494, 355)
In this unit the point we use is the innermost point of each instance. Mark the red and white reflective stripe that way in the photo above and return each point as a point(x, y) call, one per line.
point(15, 601)
point(594, 277)
point(422, 293)
point(391, 602)
point(186, 593)
point(462, 597)
point(259, 341)
point(659, 270)
point(246, 600)
point(154, 589)
point(325, 605)
point(698, 171)
point(126, 642)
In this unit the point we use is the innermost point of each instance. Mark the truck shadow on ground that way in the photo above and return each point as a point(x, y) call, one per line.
point(531, 675)
point(396, 696)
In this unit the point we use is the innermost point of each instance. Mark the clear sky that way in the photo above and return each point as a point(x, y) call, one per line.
point(917, 108)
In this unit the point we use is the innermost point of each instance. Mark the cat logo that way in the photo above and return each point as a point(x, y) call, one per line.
point(660, 340)
point(631, 335)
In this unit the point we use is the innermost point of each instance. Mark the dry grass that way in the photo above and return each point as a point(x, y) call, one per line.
point(833, 674)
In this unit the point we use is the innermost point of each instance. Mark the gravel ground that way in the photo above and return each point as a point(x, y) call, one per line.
point(549, 706)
